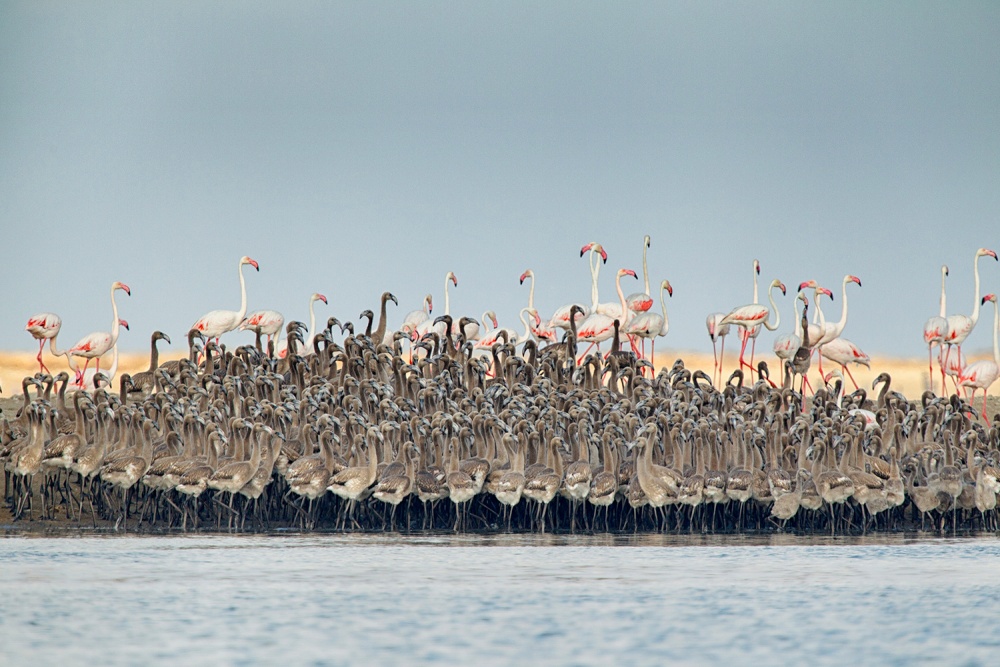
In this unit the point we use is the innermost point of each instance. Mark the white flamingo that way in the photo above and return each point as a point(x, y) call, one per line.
point(830, 330)
point(842, 351)
point(561, 317)
point(217, 322)
point(651, 325)
point(598, 327)
point(45, 327)
point(95, 345)
point(960, 326)
point(428, 325)
point(265, 322)
point(754, 314)
point(935, 333)
point(982, 374)
point(542, 332)
point(641, 302)
point(414, 318)
point(307, 346)
point(716, 329)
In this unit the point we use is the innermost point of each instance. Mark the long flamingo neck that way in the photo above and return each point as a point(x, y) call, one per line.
point(645, 271)
point(663, 308)
point(595, 271)
point(943, 298)
point(114, 324)
point(798, 320)
point(243, 295)
point(843, 309)
point(975, 309)
point(774, 309)
point(312, 318)
point(52, 347)
point(527, 327)
point(755, 284)
point(447, 303)
point(621, 298)
point(996, 327)
point(531, 292)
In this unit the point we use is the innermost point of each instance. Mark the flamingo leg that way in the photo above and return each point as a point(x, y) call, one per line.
point(715, 360)
point(744, 337)
point(722, 356)
point(753, 350)
point(848, 370)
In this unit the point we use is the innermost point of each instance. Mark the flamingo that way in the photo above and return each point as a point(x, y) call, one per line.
point(87, 377)
point(842, 351)
point(960, 326)
point(217, 322)
point(755, 314)
point(493, 337)
point(751, 333)
point(538, 330)
point(429, 325)
point(786, 344)
point(265, 322)
point(598, 327)
point(830, 330)
point(650, 324)
point(282, 351)
point(415, 317)
point(94, 345)
point(561, 317)
point(641, 302)
point(45, 326)
point(935, 333)
point(982, 374)
point(717, 330)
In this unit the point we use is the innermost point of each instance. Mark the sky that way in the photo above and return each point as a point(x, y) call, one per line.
point(352, 148)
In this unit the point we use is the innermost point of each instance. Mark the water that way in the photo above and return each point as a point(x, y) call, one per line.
point(474, 600)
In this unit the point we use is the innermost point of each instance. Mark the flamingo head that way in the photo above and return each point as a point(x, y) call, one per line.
point(982, 252)
point(246, 260)
point(806, 284)
point(854, 279)
point(390, 297)
point(944, 269)
point(534, 313)
point(823, 290)
point(780, 285)
point(493, 318)
point(989, 297)
point(159, 335)
point(452, 278)
point(666, 285)
point(430, 303)
point(646, 240)
point(122, 286)
point(319, 297)
point(526, 274)
point(756, 267)
point(627, 272)
point(124, 323)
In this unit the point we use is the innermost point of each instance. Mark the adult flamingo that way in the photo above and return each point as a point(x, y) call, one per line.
point(94, 345)
point(414, 318)
point(281, 351)
point(429, 325)
point(641, 302)
point(754, 314)
point(598, 327)
point(650, 324)
point(935, 333)
point(831, 330)
point(960, 326)
point(982, 374)
point(86, 377)
point(716, 329)
point(750, 333)
point(265, 322)
point(539, 330)
point(561, 317)
point(842, 351)
point(217, 322)
point(786, 344)
point(491, 338)
point(45, 327)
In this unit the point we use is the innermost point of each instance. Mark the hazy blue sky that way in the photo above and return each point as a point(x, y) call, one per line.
point(358, 147)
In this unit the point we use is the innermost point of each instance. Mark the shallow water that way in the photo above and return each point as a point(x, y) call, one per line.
point(387, 600)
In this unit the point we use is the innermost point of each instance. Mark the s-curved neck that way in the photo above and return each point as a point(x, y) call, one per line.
point(114, 323)
point(774, 309)
point(645, 271)
point(243, 293)
point(944, 274)
point(595, 271)
point(975, 309)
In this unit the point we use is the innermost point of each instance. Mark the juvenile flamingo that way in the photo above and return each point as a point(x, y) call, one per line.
point(94, 345)
point(45, 327)
point(217, 322)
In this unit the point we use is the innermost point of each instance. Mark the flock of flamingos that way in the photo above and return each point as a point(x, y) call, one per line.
point(529, 430)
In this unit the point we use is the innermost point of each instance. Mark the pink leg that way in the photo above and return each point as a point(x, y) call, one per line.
point(722, 356)
point(744, 336)
point(41, 364)
point(652, 356)
point(715, 360)
point(848, 370)
point(985, 416)
point(753, 350)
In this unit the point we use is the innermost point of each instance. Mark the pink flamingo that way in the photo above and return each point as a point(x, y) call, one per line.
point(561, 317)
point(982, 374)
point(650, 324)
point(935, 333)
point(538, 330)
point(830, 330)
point(754, 314)
point(428, 325)
point(717, 330)
point(217, 322)
point(641, 302)
point(842, 351)
point(598, 327)
point(86, 378)
point(307, 345)
point(960, 326)
point(786, 344)
point(751, 333)
point(94, 345)
point(45, 327)
point(266, 322)
point(414, 318)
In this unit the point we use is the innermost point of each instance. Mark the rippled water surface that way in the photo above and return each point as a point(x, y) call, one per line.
point(387, 600)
